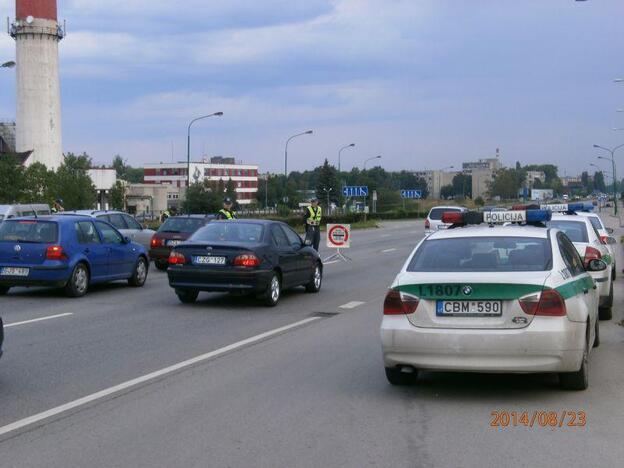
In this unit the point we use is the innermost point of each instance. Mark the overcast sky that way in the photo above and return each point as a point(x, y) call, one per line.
point(425, 83)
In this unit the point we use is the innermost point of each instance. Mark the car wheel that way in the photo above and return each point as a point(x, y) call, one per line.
point(613, 275)
point(161, 265)
point(597, 338)
point(4, 290)
point(315, 283)
point(605, 312)
point(578, 380)
point(78, 283)
point(273, 292)
point(140, 273)
point(396, 377)
point(187, 296)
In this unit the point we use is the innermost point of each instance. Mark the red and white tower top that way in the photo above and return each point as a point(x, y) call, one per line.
point(43, 9)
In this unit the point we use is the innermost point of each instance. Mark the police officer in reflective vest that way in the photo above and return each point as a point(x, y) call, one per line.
point(226, 212)
point(312, 219)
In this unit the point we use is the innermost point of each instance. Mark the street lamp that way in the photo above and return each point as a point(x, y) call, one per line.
point(612, 152)
point(10, 64)
point(309, 132)
point(340, 151)
point(188, 144)
point(327, 191)
point(370, 159)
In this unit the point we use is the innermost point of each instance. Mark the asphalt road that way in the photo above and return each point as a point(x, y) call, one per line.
point(298, 385)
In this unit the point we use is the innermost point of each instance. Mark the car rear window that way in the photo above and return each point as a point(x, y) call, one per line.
point(181, 225)
point(575, 230)
point(596, 222)
point(30, 231)
point(436, 213)
point(481, 254)
point(247, 233)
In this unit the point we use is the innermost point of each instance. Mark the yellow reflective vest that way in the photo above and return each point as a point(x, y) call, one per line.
point(314, 216)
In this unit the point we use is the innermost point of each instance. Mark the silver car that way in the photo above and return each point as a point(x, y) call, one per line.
point(126, 224)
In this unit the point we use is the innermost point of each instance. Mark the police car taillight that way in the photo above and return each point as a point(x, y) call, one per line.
point(400, 303)
point(547, 303)
point(427, 224)
point(591, 253)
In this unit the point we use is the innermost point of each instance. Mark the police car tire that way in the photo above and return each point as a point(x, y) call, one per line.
point(578, 380)
point(606, 312)
point(4, 290)
point(613, 275)
point(597, 338)
point(187, 296)
point(312, 287)
point(396, 377)
point(72, 289)
point(161, 265)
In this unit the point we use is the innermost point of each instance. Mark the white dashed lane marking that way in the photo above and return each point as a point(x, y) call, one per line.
point(40, 319)
point(352, 305)
point(388, 250)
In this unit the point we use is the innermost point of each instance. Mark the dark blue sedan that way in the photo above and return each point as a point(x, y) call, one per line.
point(70, 252)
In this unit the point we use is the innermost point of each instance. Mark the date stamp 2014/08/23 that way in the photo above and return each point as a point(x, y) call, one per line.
point(538, 418)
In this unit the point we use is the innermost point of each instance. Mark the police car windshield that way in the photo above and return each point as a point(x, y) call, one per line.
point(481, 254)
point(181, 225)
point(575, 230)
point(436, 213)
point(227, 231)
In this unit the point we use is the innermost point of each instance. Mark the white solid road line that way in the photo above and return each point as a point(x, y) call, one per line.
point(41, 319)
point(388, 250)
point(351, 305)
point(37, 418)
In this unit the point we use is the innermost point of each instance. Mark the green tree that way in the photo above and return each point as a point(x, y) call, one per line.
point(599, 182)
point(507, 183)
point(11, 179)
point(585, 180)
point(203, 198)
point(73, 184)
point(124, 171)
point(462, 185)
point(38, 181)
point(118, 196)
point(327, 183)
point(479, 201)
point(230, 190)
point(447, 191)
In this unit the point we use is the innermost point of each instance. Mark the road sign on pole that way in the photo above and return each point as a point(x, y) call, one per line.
point(412, 194)
point(338, 237)
point(355, 191)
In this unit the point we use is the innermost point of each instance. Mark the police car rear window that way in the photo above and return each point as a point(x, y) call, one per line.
point(482, 254)
point(436, 213)
point(29, 231)
point(575, 230)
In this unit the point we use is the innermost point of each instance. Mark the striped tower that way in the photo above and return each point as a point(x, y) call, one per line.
point(37, 34)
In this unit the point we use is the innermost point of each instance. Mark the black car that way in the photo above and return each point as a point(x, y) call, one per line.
point(174, 230)
point(244, 256)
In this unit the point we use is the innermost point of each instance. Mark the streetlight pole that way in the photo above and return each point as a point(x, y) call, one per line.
point(309, 132)
point(370, 159)
point(327, 191)
point(188, 145)
point(339, 153)
point(612, 152)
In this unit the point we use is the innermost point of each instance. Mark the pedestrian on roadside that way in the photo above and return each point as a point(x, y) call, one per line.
point(165, 215)
point(312, 219)
point(226, 212)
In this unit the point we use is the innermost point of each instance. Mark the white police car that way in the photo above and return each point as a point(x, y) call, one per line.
point(492, 298)
point(588, 244)
point(605, 235)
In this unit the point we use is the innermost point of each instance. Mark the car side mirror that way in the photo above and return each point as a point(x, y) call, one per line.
point(610, 230)
point(126, 240)
point(596, 265)
point(611, 240)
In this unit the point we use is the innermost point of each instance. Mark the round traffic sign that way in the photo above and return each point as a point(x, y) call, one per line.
point(338, 235)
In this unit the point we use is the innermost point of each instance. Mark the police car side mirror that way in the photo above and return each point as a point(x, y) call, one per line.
point(611, 240)
point(596, 265)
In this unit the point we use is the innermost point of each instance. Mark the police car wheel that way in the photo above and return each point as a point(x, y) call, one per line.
point(578, 380)
point(187, 296)
point(316, 281)
point(606, 312)
point(396, 377)
point(613, 275)
point(597, 338)
point(4, 290)
point(161, 265)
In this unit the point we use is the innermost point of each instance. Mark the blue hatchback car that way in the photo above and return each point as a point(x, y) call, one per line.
point(70, 252)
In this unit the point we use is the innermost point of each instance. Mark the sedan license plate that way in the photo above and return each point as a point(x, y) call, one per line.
point(173, 243)
point(10, 271)
point(442, 226)
point(469, 308)
point(206, 260)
